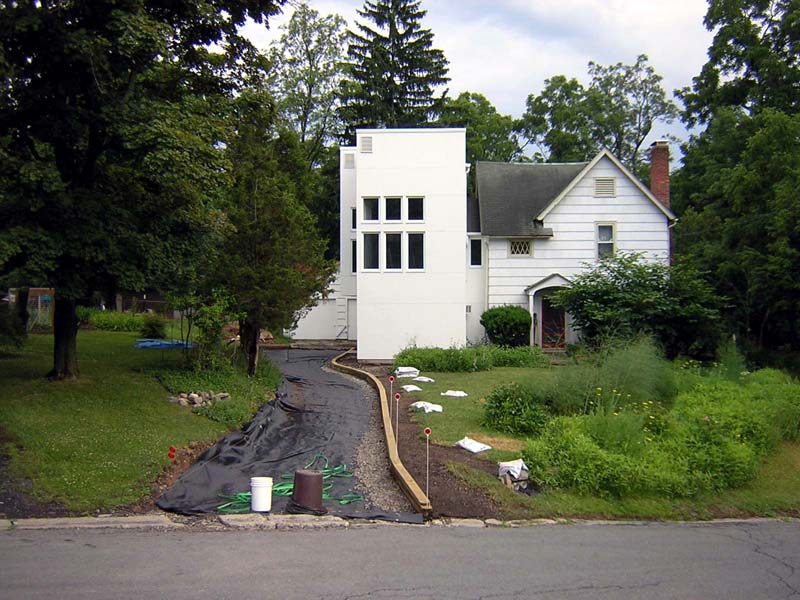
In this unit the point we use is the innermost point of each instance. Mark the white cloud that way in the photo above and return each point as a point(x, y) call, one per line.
point(506, 49)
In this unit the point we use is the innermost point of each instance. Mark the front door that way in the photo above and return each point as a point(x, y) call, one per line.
point(553, 326)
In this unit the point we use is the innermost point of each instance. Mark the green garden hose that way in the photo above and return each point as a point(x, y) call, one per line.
point(240, 502)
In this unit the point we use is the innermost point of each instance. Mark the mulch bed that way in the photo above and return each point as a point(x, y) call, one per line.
point(448, 494)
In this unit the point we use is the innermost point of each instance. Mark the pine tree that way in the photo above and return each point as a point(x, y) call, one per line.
point(393, 68)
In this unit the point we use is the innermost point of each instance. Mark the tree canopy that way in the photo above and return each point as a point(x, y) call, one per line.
point(570, 122)
point(112, 114)
point(393, 69)
point(736, 191)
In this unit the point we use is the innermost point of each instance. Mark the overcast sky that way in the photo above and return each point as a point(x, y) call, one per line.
point(505, 49)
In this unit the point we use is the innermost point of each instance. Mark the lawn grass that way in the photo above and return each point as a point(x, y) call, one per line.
point(100, 441)
point(775, 491)
point(464, 416)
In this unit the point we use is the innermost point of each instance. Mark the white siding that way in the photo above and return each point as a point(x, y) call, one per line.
point(640, 227)
point(404, 307)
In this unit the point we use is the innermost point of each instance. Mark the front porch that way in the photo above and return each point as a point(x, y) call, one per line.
point(551, 327)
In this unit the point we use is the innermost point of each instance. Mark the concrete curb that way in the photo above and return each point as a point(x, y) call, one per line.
point(270, 522)
point(409, 485)
point(154, 521)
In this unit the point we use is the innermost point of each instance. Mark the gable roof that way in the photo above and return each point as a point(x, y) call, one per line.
point(515, 198)
point(511, 195)
point(635, 180)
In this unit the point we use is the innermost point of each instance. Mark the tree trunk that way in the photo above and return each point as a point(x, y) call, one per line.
point(65, 336)
point(249, 334)
point(21, 308)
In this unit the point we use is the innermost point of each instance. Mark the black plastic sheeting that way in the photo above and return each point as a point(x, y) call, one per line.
point(315, 411)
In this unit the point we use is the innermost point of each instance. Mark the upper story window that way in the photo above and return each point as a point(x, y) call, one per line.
point(475, 250)
point(365, 144)
point(519, 247)
point(353, 219)
point(393, 210)
point(349, 161)
point(605, 187)
point(353, 256)
point(606, 240)
point(416, 209)
point(371, 210)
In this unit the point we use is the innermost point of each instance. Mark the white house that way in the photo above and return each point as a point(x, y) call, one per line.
point(420, 261)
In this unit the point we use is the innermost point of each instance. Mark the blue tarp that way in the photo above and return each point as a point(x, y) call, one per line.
point(163, 344)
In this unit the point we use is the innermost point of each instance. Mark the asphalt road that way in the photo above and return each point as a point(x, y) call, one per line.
point(721, 560)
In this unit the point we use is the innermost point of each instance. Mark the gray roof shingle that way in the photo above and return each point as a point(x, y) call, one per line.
point(511, 195)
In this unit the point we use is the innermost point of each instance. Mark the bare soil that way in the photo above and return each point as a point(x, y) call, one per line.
point(448, 494)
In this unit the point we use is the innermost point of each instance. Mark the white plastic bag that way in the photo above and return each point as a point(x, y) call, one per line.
point(472, 445)
point(513, 467)
point(411, 388)
point(427, 407)
point(401, 372)
point(422, 379)
point(454, 394)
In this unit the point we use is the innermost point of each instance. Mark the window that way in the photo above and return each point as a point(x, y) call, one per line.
point(353, 219)
point(605, 187)
point(349, 161)
point(393, 256)
point(392, 209)
point(519, 247)
point(371, 209)
point(353, 256)
point(415, 209)
point(371, 250)
point(416, 250)
point(605, 240)
point(475, 247)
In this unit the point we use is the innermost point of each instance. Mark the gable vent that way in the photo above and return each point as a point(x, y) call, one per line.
point(366, 144)
point(605, 187)
point(350, 161)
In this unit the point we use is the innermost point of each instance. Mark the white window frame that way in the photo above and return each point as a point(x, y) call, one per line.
point(407, 203)
point(408, 252)
point(364, 209)
point(512, 254)
point(479, 241)
point(386, 218)
point(597, 241)
point(364, 252)
point(385, 238)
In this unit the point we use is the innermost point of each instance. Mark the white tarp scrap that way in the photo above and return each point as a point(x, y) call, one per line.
point(472, 445)
point(411, 388)
point(512, 467)
point(423, 379)
point(454, 394)
point(427, 407)
point(401, 372)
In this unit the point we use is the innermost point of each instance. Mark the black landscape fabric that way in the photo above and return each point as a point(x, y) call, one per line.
point(315, 411)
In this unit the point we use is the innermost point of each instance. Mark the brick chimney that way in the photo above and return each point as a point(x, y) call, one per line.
point(659, 170)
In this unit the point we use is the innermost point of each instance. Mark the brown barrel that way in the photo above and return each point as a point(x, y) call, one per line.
point(308, 489)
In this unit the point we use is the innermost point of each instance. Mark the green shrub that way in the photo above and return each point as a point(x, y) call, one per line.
point(507, 325)
point(110, 320)
point(616, 431)
point(513, 408)
point(614, 377)
point(154, 327)
point(713, 438)
point(470, 358)
point(731, 361)
point(84, 313)
point(12, 332)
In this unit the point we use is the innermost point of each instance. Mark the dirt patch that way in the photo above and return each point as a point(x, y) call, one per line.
point(16, 501)
point(448, 494)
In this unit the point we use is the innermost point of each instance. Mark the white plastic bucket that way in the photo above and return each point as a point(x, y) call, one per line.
point(260, 494)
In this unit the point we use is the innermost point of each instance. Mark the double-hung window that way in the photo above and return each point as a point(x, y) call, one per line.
point(606, 240)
